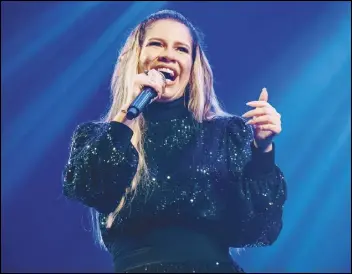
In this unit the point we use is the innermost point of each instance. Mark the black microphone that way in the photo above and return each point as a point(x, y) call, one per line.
point(143, 99)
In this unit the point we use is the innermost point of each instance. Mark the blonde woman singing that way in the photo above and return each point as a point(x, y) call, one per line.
point(175, 187)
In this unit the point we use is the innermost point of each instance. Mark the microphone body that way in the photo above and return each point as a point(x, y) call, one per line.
point(144, 99)
point(140, 102)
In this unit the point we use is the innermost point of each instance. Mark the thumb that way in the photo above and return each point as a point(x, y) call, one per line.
point(264, 95)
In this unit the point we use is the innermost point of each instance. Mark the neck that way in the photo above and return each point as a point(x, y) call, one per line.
point(164, 111)
point(170, 99)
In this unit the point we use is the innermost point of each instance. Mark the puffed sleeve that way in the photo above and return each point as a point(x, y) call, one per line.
point(257, 189)
point(101, 164)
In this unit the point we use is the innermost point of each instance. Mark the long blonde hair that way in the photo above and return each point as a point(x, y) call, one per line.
point(202, 103)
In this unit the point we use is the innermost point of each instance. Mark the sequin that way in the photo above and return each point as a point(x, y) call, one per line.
point(207, 176)
point(188, 268)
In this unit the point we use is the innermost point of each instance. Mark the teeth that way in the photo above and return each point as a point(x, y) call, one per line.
point(167, 70)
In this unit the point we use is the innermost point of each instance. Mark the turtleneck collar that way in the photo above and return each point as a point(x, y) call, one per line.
point(163, 111)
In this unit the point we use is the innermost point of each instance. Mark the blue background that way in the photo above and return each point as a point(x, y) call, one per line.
point(56, 62)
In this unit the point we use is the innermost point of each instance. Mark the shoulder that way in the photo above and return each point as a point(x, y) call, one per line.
point(98, 129)
point(233, 127)
point(89, 128)
point(230, 122)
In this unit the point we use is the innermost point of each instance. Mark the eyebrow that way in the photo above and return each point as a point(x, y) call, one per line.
point(177, 42)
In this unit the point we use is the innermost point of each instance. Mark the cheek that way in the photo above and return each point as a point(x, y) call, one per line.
point(187, 71)
point(144, 60)
point(148, 56)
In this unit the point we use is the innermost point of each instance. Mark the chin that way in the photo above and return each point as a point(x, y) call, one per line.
point(169, 97)
point(164, 99)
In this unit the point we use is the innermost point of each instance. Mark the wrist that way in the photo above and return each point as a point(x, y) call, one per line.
point(261, 163)
point(264, 147)
point(121, 118)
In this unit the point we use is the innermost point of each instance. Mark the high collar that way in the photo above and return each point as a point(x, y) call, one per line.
point(165, 111)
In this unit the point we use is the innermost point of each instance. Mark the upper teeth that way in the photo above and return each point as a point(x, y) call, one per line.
point(167, 70)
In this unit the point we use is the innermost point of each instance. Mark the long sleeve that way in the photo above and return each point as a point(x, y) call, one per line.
point(258, 189)
point(102, 163)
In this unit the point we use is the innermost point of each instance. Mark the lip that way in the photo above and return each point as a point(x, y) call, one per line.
point(170, 83)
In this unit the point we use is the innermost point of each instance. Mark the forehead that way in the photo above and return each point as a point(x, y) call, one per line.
point(169, 30)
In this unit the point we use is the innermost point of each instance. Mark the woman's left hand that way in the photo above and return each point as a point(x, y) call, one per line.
point(265, 120)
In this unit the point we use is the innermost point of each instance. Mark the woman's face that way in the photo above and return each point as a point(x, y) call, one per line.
point(168, 47)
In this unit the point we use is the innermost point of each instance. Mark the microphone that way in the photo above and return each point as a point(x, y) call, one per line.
point(143, 99)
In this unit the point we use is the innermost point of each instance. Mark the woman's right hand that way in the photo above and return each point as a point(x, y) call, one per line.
point(152, 78)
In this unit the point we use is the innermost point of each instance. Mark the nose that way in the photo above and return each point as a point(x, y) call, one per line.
point(167, 56)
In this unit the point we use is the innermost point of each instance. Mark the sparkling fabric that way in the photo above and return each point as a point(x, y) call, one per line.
point(199, 267)
point(207, 178)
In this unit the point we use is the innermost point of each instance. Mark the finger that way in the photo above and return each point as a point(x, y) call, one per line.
point(274, 128)
point(159, 79)
point(157, 75)
point(259, 123)
point(152, 75)
point(264, 119)
point(150, 80)
point(258, 112)
point(157, 86)
point(141, 79)
point(264, 96)
point(258, 104)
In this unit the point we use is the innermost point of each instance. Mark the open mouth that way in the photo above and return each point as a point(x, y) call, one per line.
point(169, 74)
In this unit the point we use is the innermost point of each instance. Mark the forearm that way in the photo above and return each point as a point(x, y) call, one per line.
point(101, 165)
point(255, 209)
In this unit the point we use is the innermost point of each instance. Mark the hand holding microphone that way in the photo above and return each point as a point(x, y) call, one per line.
point(152, 88)
point(148, 86)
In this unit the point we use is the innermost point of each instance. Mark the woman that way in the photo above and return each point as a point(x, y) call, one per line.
point(177, 186)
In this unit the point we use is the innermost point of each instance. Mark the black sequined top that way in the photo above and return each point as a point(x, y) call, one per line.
point(209, 188)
